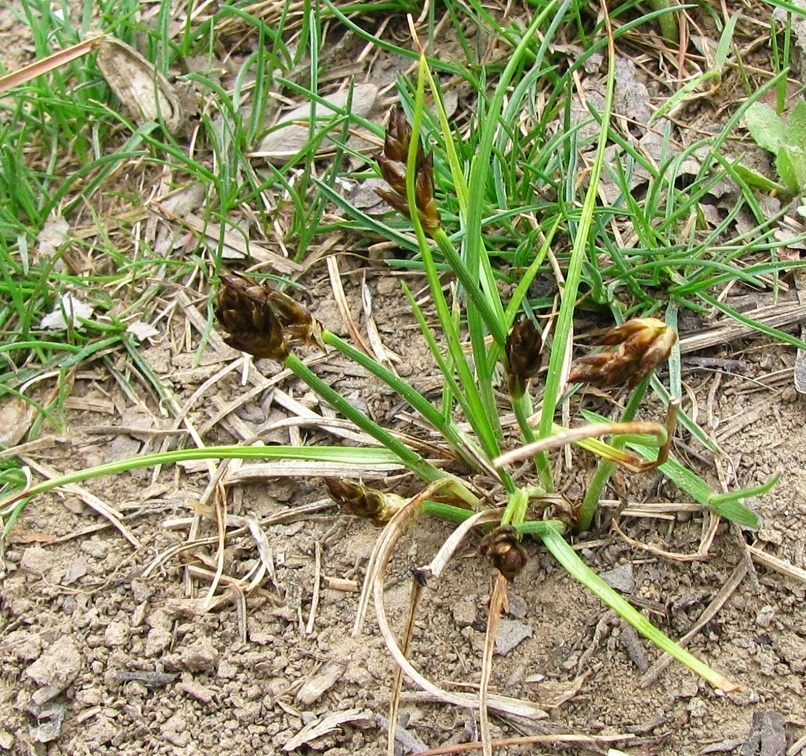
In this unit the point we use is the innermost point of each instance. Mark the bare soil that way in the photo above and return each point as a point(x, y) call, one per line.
point(152, 672)
point(97, 658)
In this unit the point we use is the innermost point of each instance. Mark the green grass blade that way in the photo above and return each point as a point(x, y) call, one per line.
point(580, 572)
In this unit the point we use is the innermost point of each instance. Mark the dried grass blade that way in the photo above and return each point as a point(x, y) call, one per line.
point(344, 308)
point(295, 468)
point(212, 231)
point(264, 550)
point(239, 599)
point(397, 684)
point(90, 499)
point(779, 565)
point(221, 526)
point(389, 535)
point(701, 553)
point(317, 583)
point(375, 581)
point(52, 62)
point(448, 548)
point(318, 728)
point(382, 354)
point(174, 550)
point(497, 601)
point(574, 435)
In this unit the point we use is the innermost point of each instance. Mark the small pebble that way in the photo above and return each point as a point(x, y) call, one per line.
point(201, 656)
point(510, 634)
point(464, 613)
point(765, 616)
point(56, 668)
point(37, 560)
point(621, 578)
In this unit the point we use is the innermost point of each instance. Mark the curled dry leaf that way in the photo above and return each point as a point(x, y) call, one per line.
point(293, 133)
point(317, 685)
point(147, 94)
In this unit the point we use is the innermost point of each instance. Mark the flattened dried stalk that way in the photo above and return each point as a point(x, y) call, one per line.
point(147, 94)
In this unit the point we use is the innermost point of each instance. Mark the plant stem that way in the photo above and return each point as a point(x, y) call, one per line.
point(667, 22)
point(445, 511)
point(515, 512)
point(407, 456)
point(606, 467)
point(446, 427)
point(451, 254)
point(524, 409)
point(573, 276)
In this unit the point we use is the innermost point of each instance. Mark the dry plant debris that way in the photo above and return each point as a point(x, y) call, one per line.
point(82, 586)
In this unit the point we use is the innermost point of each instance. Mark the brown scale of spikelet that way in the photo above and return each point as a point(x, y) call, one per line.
point(362, 501)
point(505, 551)
point(522, 355)
point(243, 310)
point(299, 326)
point(640, 345)
point(392, 164)
point(261, 321)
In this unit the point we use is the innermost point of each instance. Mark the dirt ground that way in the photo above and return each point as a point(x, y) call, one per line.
point(107, 645)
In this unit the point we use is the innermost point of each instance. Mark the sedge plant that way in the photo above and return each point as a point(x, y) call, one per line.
point(260, 320)
point(463, 188)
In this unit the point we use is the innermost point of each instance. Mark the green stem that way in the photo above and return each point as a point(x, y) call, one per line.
point(515, 512)
point(444, 426)
point(407, 456)
point(445, 511)
point(458, 267)
point(667, 21)
point(606, 467)
point(482, 423)
point(573, 276)
point(524, 409)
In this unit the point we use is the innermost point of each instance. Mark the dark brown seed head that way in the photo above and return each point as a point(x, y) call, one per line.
point(505, 551)
point(261, 321)
point(299, 326)
point(242, 308)
point(392, 163)
point(398, 136)
point(522, 352)
point(641, 344)
point(362, 501)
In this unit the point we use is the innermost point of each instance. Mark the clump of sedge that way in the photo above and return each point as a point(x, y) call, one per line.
point(640, 345)
point(505, 551)
point(261, 321)
point(392, 164)
point(522, 356)
point(362, 501)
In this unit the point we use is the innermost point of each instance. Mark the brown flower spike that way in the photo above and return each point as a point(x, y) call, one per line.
point(505, 551)
point(360, 500)
point(522, 355)
point(392, 163)
point(261, 321)
point(640, 345)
